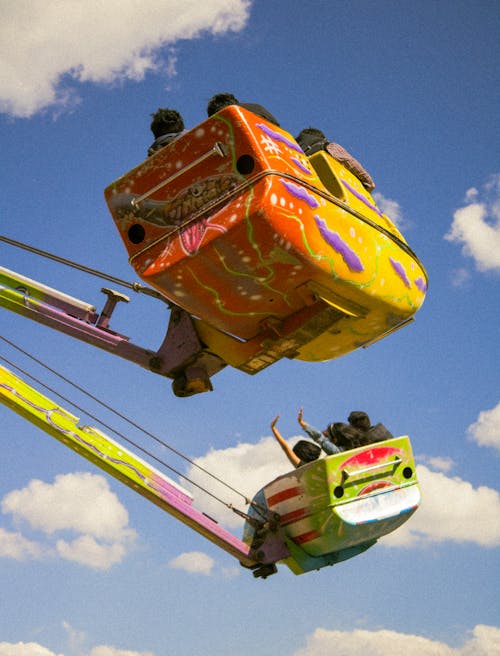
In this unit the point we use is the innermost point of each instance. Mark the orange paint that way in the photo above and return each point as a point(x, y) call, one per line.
point(232, 223)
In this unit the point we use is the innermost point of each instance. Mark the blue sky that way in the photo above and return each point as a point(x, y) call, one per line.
point(412, 90)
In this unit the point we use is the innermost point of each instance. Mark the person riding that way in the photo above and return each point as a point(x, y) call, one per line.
point(302, 453)
point(331, 440)
point(167, 125)
point(339, 436)
point(221, 100)
point(368, 434)
point(311, 140)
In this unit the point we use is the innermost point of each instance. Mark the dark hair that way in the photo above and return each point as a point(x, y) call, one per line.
point(334, 431)
point(314, 132)
point(219, 101)
point(359, 418)
point(329, 432)
point(311, 140)
point(307, 451)
point(342, 435)
point(166, 121)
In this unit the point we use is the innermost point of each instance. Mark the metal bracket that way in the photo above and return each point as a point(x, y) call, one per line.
point(113, 299)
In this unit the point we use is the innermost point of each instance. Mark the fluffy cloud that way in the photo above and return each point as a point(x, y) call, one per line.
point(47, 48)
point(245, 467)
point(112, 651)
point(477, 226)
point(34, 649)
point(77, 641)
point(194, 562)
point(86, 550)
point(81, 503)
point(486, 430)
point(24, 649)
point(475, 518)
point(484, 641)
point(197, 562)
point(460, 277)
point(390, 207)
point(16, 546)
point(441, 463)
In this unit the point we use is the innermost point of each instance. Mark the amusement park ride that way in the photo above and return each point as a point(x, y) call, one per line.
point(261, 253)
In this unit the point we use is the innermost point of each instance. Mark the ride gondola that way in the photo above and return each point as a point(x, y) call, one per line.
point(320, 514)
point(260, 252)
point(271, 254)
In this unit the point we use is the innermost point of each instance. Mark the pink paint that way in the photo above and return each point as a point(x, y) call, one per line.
point(283, 495)
point(375, 486)
point(370, 456)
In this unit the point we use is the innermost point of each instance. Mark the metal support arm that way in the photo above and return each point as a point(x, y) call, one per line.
point(181, 356)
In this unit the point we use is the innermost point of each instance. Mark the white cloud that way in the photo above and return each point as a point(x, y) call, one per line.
point(471, 194)
point(112, 651)
point(484, 641)
point(194, 562)
point(47, 48)
point(24, 649)
point(481, 641)
point(245, 467)
point(459, 277)
point(477, 226)
point(441, 463)
point(231, 572)
point(77, 640)
point(451, 510)
point(390, 207)
point(16, 546)
point(197, 562)
point(486, 430)
point(80, 503)
point(87, 551)
point(34, 649)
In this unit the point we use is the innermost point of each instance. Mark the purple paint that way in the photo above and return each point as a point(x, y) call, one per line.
point(277, 136)
point(399, 269)
point(300, 193)
point(158, 482)
point(420, 283)
point(301, 166)
point(334, 240)
point(163, 487)
point(361, 198)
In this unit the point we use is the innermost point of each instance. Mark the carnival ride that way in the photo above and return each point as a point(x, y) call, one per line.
point(320, 514)
point(260, 253)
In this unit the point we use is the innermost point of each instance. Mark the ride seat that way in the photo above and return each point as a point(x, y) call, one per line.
point(321, 162)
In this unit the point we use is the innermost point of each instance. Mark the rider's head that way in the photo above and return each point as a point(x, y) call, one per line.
point(219, 101)
point(166, 121)
point(311, 140)
point(307, 451)
point(359, 420)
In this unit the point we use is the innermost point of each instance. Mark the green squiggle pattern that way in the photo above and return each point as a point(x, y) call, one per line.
point(260, 281)
point(218, 302)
